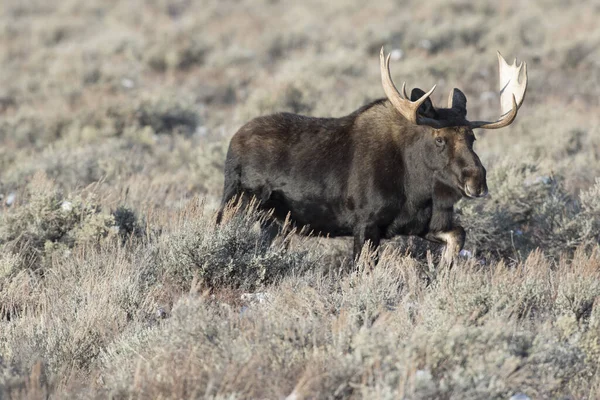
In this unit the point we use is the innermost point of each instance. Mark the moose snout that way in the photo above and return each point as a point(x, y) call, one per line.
point(475, 182)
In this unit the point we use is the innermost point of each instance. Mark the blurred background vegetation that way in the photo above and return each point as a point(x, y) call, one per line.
point(114, 122)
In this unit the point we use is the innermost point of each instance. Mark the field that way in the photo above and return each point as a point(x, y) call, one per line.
point(115, 117)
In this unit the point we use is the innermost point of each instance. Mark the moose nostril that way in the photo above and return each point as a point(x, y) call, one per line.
point(468, 172)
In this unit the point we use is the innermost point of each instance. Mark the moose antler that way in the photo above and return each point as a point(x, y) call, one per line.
point(402, 103)
point(512, 93)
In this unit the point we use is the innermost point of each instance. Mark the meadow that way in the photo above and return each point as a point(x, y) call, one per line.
point(115, 117)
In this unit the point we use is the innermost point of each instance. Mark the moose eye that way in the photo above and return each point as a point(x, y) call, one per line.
point(439, 141)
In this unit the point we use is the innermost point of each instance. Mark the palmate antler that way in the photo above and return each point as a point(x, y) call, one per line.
point(512, 93)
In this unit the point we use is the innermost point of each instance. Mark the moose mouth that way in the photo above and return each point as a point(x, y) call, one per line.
point(474, 194)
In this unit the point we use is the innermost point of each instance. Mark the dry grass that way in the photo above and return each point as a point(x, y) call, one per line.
point(115, 281)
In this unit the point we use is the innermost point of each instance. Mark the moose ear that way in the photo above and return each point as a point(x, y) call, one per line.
point(426, 109)
point(457, 101)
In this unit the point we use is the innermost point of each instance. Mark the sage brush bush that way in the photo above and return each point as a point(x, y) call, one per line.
point(237, 254)
point(527, 210)
point(376, 333)
point(49, 223)
point(100, 290)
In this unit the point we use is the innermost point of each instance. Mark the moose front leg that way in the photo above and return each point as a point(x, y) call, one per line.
point(453, 239)
point(364, 233)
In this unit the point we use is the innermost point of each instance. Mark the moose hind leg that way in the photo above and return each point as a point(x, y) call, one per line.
point(232, 187)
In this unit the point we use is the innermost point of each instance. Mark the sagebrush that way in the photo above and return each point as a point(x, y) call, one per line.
point(116, 282)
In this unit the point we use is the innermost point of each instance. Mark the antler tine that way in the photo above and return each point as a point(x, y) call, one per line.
point(404, 91)
point(509, 83)
point(512, 93)
point(407, 108)
point(424, 97)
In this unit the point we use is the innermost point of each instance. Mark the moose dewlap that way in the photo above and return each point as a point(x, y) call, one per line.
point(395, 166)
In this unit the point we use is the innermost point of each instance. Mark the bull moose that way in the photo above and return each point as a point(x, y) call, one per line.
point(395, 166)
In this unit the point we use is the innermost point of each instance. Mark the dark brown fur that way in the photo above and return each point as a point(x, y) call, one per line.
point(370, 175)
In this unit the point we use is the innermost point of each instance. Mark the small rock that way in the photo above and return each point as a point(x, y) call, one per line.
point(66, 206)
point(465, 253)
point(161, 313)
point(519, 396)
point(423, 379)
point(423, 374)
point(127, 83)
point(411, 306)
point(396, 54)
point(10, 199)
point(426, 44)
point(201, 131)
point(259, 297)
point(545, 180)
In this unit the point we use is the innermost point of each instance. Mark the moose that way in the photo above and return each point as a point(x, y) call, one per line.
point(395, 166)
